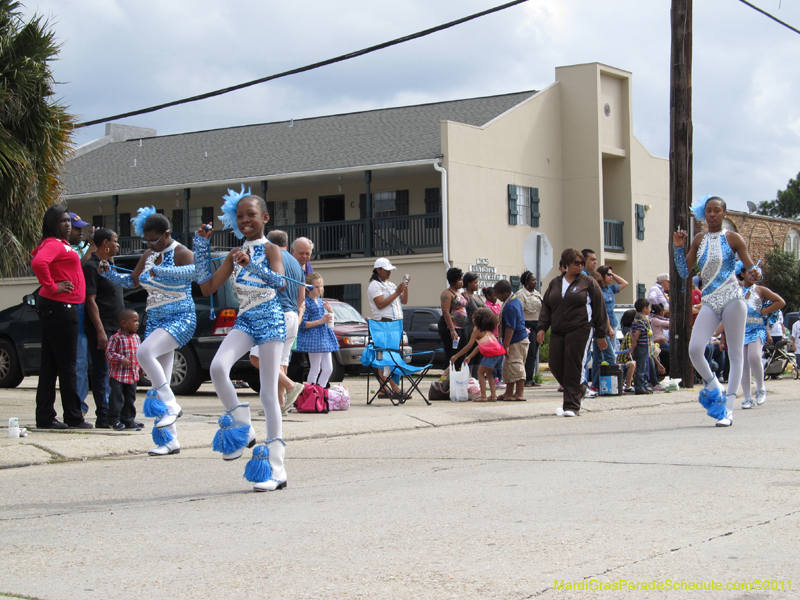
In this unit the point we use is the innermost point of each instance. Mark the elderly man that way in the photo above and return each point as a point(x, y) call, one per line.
point(301, 250)
point(658, 293)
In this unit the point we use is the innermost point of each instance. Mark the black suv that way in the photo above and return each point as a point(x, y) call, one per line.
point(20, 335)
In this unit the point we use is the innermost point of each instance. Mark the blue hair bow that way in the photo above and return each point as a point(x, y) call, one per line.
point(699, 208)
point(228, 216)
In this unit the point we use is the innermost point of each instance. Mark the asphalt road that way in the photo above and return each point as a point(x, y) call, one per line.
point(505, 507)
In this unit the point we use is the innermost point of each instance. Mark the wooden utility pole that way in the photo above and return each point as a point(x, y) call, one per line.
point(680, 186)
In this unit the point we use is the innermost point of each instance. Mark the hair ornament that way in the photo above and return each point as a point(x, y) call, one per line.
point(141, 217)
point(699, 207)
point(738, 267)
point(228, 216)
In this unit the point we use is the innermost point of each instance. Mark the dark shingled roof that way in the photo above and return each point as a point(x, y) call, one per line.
point(373, 137)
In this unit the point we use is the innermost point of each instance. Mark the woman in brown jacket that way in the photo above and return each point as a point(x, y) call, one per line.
point(574, 310)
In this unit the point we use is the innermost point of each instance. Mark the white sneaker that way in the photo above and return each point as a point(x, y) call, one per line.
point(761, 397)
point(747, 404)
point(560, 412)
point(569, 413)
point(590, 393)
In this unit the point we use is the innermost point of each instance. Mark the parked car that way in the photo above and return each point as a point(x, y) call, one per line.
point(421, 326)
point(20, 335)
point(351, 332)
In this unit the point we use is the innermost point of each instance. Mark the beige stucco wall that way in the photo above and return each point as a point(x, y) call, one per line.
point(12, 290)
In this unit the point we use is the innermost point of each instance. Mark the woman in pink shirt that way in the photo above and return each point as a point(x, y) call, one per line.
point(57, 266)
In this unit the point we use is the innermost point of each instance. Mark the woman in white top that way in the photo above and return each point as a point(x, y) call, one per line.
point(385, 299)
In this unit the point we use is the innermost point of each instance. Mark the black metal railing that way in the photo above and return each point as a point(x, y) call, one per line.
point(613, 235)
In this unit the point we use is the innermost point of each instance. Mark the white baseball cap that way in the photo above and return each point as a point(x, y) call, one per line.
point(383, 263)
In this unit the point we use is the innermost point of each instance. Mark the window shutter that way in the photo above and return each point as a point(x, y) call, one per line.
point(352, 295)
point(534, 207)
point(97, 221)
point(639, 222)
point(641, 290)
point(301, 211)
point(271, 211)
point(514, 279)
point(433, 205)
point(362, 206)
point(512, 204)
point(208, 214)
point(124, 225)
point(401, 208)
point(177, 224)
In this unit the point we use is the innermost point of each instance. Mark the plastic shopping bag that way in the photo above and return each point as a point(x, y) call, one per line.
point(459, 384)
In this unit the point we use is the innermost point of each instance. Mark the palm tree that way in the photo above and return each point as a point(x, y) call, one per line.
point(35, 134)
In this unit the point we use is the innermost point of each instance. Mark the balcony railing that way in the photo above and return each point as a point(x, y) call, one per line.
point(410, 234)
point(612, 235)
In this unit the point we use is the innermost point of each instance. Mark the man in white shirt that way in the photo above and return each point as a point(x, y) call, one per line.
point(775, 331)
point(796, 340)
point(657, 293)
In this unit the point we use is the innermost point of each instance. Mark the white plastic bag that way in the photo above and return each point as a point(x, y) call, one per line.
point(459, 384)
point(474, 389)
point(671, 385)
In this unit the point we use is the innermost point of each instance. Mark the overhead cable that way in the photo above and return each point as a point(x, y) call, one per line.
point(310, 67)
point(763, 12)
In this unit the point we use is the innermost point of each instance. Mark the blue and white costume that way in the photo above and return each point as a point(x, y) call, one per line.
point(171, 322)
point(717, 264)
point(755, 336)
point(260, 322)
point(756, 325)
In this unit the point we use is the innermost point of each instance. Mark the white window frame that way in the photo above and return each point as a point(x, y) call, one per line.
point(792, 243)
point(284, 213)
point(523, 205)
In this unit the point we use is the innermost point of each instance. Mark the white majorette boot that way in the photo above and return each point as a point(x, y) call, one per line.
point(235, 433)
point(712, 399)
point(727, 420)
point(266, 468)
point(761, 397)
point(166, 439)
point(165, 413)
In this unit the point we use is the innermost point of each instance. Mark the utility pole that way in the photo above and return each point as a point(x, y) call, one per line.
point(680, 186)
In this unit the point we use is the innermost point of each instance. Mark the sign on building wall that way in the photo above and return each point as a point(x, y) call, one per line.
point(487, 274)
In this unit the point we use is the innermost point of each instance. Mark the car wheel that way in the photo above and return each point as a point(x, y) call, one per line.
point(254, 381)
point(10, 370)
point(338, 371)
point(186, 376)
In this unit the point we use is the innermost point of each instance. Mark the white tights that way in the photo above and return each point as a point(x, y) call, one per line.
point(235, 345)
point(734, 317)
point(752, 363)
point(321, 368)
point(155, 355)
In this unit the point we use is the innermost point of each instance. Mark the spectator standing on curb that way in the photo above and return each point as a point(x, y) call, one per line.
point(514, 337)
point(124, 372)
point(302, 248)
point(81, 246)
point(103, 304)
point(610, 284)
point(658, 293)
point(531, 301)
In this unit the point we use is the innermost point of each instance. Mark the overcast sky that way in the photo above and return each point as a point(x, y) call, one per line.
point(120, 55)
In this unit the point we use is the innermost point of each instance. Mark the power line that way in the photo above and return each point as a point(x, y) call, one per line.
point(763, 12)
point(310, 67)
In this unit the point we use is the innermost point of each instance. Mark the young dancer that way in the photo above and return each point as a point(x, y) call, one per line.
point(166, 271)
point(715, 252)
point(315, 335)
point(762, 306)
point(257, 269)
point(491, 350)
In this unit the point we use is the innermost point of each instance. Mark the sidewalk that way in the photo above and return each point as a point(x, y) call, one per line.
point(201, 411)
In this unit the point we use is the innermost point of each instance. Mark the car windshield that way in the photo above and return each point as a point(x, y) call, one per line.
point(344, 314)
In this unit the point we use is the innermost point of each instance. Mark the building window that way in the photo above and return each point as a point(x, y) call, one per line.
point(523, 205)
point(384, 204)
point(792, 243)
point(284, 213)
point(729, 225)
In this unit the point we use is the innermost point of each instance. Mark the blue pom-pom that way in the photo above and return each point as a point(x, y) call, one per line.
point(161, 436)
point(258, 469)
point(228, 438)
point(714, 403)
point(228, 216)
point(140, 218)
point(153, 407)
point(718, 411)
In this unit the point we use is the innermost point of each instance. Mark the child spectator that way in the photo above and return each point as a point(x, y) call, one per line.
point(642, 345)
point(515, 342)
point(494, 305)
point(491, 350)
point(123, 372)
point(315, 334)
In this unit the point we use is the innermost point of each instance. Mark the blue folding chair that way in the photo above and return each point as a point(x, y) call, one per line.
point(384, 352)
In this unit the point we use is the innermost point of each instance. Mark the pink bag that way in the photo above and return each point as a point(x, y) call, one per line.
point(338, 398)
point(489, 346)
point(312, 399)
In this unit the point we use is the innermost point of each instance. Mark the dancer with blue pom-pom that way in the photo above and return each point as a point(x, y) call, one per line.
point(257, 269)
point(715, 253)
point(166, 270)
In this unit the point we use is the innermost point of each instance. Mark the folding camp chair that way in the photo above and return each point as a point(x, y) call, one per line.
point(384, 352)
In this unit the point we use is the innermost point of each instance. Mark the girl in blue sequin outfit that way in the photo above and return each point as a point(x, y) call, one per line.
point(315, 334)
point(166, 271)
point(257, 272)
point(715, 253)
point(762, 306)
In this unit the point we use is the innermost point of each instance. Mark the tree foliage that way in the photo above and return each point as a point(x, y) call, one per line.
point(35, 133)
point(786, 205)
point(781, 275)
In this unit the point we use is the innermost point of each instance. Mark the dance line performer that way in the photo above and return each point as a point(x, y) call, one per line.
point(722, 302)
point(257, 269)
point(166, 271)
point(762, 306)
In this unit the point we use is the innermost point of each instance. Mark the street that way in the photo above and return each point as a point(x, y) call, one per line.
point(501, 501)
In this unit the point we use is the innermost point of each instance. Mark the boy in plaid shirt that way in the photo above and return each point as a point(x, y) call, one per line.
point(123, 372)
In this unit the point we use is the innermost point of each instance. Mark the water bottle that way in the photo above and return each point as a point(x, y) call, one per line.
point(455, 344)
point(330, 323)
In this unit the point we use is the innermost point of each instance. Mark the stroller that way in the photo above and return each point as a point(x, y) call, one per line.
point(777, 359)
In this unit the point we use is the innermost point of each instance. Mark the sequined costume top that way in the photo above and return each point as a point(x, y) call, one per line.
point(260, 313)
point(717, 262)
point(317, 339)
point(169, 297)
point(755, 326)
